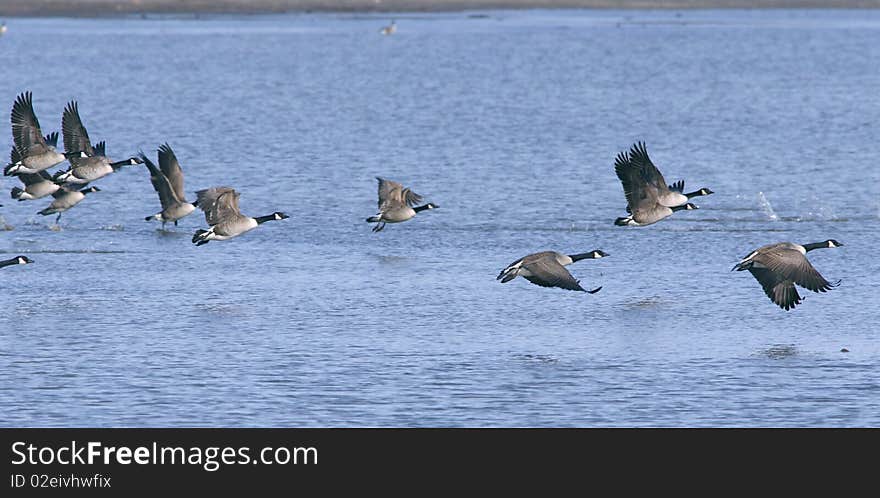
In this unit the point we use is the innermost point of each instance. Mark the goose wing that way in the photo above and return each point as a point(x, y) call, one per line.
point(393, 193)
point(26, 127)
point(76, 138)
point(547, 272)
point(791, 264)
point(781, 291)
point(638, 155)
point(641, 196)
point(218, 203)
point(171, 169)
point(160, 183)
point(677, 187)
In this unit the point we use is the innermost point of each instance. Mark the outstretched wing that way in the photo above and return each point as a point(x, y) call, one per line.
point(677, 186)
point(160, 183)
point(547, 272)
point(393, 192)
point(791, 264)
point(781, 291)
point(171, 169)
point(218, 203)
point(26, 127)
point(76, 138)
point(638, 154)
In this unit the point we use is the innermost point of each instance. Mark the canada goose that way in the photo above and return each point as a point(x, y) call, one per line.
point(642, 196)
point(779, 266)
point(396, 204)
point(37, 185)
point(66, 199)
point(3, 28)
point(220, 205)
point(547, 269)
point(94, 164)
point(667, 195)
point(167, 180)
point(390, 29)
point(18, 260)
point(35, 152)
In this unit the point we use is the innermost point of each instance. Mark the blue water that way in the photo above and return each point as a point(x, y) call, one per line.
point(510, 123)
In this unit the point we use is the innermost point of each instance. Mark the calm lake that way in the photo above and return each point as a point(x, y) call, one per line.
point(509, 121)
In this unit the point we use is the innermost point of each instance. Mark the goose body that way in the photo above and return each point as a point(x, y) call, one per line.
point(547, 269)
point(396, 204)
point(18, 260)
point(642, 195)
point(36, 185)
point(220, 205)
point(35, 152)
point(167, 180)
point(92, 163)
point(65, 199)
point(778, 267)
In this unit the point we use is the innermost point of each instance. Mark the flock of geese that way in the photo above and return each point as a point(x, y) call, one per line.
point(777, 267)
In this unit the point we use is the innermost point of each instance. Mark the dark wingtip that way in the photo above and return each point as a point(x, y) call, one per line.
point(597, 289)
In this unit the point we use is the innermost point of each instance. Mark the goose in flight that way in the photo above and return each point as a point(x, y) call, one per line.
point(396, 204)
point(220, 205)
point(778, 267)
point(642, 196)
point(547, 269)
point(65, 199)
point(95, 164)
point(34, 152)
point(167, 180)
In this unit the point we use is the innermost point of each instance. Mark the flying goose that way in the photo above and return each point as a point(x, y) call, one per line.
point(642, 196)
point(390, 29)
point(396, 204)
point(547, 269)
point(66, 199)
point(94, 164)
point(167, 180)
point(18, 260)
point(667, 195)
point(35, 152)
point(37, 185)
point(779, 266)
point(220, 205)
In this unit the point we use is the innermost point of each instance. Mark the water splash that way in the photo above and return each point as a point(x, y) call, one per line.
point(768, 209)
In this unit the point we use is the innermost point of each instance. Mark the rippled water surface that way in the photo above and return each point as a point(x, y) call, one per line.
point(510, 122)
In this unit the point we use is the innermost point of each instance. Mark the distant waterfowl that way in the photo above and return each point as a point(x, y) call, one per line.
point(642, 196)
point(220, 205)
point(66, 199)
point(18, 260)
point(547, 269)
point(396, 204)
point(667, 195)
point(35, 152)
point(390, 29)
point(95, 164)
point(37, 185)
point(778, 267)
point(167, 180)
point(3, 28)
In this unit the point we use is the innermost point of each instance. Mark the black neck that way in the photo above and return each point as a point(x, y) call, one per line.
point(815, 245)
point(578, 257)
point(9, 262)
point(421, 208)
point(120, 164)
point(264, 219)
point(679, 208)
point(695, 193)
